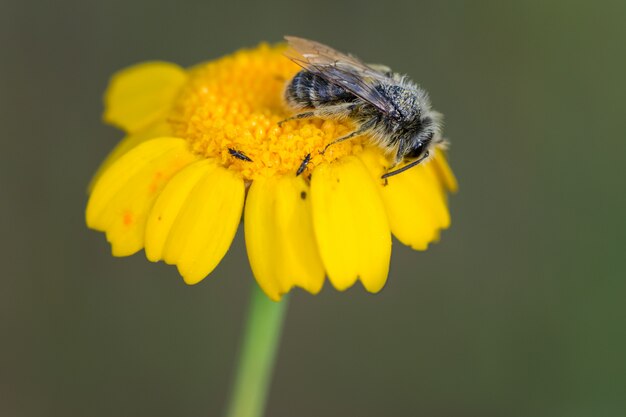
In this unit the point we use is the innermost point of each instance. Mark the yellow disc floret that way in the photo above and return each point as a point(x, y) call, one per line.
point(234, 105)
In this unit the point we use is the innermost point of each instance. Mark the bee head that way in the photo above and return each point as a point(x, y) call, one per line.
point(418, 141)
point(426, 133)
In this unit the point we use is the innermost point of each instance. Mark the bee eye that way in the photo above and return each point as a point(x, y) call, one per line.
point(416, 151)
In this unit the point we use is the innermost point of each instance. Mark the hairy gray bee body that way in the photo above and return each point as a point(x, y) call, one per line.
point(395, 112)
point(307, 90)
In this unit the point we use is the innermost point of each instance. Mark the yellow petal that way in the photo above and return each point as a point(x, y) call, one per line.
point(414, 200)
point(138, 95)
point(444, 173)
point(350, 224)
point(124, 194)
point(169, 204)
point(159, 129)
point(206, 224)
point(279, 236)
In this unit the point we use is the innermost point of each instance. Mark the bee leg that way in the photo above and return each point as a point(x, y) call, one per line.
point(297, 116)
point(341, 139)
point(364, 128)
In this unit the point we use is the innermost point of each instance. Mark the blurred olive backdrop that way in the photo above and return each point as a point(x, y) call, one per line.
point(518, 311)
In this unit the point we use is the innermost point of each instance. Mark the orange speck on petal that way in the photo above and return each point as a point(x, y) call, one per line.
point(156, 182)
point(127, 218)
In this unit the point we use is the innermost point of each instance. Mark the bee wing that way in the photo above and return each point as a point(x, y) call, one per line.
point(343, 70)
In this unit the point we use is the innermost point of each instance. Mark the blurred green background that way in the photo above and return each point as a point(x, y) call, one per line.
point(518, 311)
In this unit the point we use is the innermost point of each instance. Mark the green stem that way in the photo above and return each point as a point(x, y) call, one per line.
point(256, 358)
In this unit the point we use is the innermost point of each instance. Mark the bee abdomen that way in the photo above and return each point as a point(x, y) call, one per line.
point(309, 90)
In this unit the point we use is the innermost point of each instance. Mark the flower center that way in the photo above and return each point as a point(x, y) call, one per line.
point(230, 110)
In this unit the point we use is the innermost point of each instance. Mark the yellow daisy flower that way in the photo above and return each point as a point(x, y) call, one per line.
point(203, 147)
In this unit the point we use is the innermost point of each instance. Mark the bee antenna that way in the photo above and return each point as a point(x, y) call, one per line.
point(404, 168)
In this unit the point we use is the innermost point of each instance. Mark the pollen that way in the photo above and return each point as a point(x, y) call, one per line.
point(236, 103)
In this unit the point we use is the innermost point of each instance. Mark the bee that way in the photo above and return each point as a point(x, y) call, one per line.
point(388, 107)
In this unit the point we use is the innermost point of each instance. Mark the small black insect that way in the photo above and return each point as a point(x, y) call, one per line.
point(239, 155)
point(394, 111)
point(303, 165)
